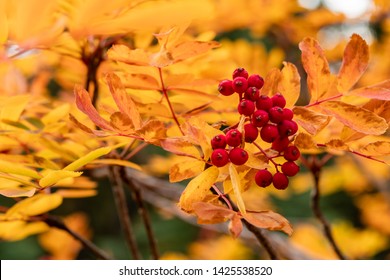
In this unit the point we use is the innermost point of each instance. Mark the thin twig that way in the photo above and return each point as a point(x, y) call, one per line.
point(315, 168)
point(53, 221)
point(123, 212)
point(143, 213)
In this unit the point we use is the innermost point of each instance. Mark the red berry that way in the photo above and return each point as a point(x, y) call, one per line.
point(225, 87)
point(252, 93)
point(238, 156)
point(240, 84)
point(287, 114)
point(240, 72)
point(260, 118)
point(278, 100)
point(289, 168)
point(264, 103)
point(269, 133)
point(246, 107)
point(251, 132)
point(280, 181)
point(292, 153)
point(263, 178)
point(287, 128)
point(233, 138)
point(255, 81)
point(218, 142)
point(219, 157)
point(280, 144)
point(275, 114)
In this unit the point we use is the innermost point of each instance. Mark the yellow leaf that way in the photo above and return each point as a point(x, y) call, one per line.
point(304, 141)
point(355, 61)
point(268, 220)
point(17, 230)
point(123, 54)
point(309, 120)
point(12, 107)
point(87, 159)
point(316, 66)
point(378, 148)
point(54, 176)
point(122, 123)
point(35, 205)
point(271, 82)
point(185, 170)
point(357, 118)
point(237, 188)
point(17, 191)
point(3, 24)
point(18, 169)
point(119, 162)
point(198, 188)
point(123, 100)
point(57, 114)
point(76, 193)
point(186, 50)
point(257, 161)
point(140, 81)
point(290, 83)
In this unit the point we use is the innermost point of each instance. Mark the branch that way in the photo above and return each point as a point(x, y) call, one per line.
point(142, 211)
point(122, 209)
point(53, 221)
point(315, 168)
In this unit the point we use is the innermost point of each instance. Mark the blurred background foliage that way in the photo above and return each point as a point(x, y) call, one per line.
point(55, 37)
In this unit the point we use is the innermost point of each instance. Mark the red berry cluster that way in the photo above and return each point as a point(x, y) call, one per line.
point(264, 116)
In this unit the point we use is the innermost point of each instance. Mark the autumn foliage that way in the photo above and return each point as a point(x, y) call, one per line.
point(155, 110)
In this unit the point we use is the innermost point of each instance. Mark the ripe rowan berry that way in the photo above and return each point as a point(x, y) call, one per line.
point(276, 114)
point(290, 168)
point(269, 133)
point(278, 100)
point(251, 132)
point(264, 103)
point(246, 107)
point(263, 178)
point(292, 153)
point(238, 156)
point(218, 142)
point(280, 144)
point(260, 118)
point(280, 181)
point(220, 157)
point(255, 81)
point(233, 137)
point(252, 93)
point(240, 72)
point(287, 128)
point(240, 84)
point(225, 87)
point(287, 114)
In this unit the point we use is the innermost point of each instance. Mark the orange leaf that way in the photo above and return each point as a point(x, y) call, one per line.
point(152, 131)
point(198, 188)
point(122, 53)
point(180, 146)
point(379, 91)
point(268, 220)
point(123, 100)
point(354, 63)
point(208, 213)
point(311, 121)
point(378, 148)
point(357, 118)
point(316, 66)
point(235, 226)
point(337, 144)
point(84, 103)
point(271, 82)
point(290, 83)
point(121, 123)
point(304, 141)
point(190, 49)
point(140, 81)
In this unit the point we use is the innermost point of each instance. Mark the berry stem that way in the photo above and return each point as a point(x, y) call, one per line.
point(324, 100)
point(269, 158)
point(165, 94)
point(222, 196)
